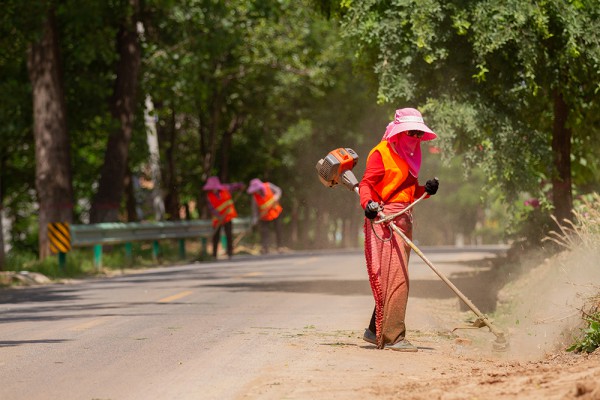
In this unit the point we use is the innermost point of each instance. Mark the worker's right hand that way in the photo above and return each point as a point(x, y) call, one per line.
point(372, 209)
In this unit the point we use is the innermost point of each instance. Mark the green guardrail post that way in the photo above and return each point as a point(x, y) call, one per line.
point(224, 242)
point(204, 246)
point(62, 261)
point(129, 254)
point(155, 250)
point(182, 249)
point(98, 256)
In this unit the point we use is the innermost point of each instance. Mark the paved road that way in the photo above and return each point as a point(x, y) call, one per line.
point(200, 331)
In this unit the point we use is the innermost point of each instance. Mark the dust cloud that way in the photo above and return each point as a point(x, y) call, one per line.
point(542, 309)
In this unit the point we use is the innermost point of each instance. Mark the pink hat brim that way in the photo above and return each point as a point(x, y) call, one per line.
point(213, 184)
point(255, 185)
point(409, 126)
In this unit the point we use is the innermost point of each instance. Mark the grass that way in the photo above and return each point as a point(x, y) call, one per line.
point(583, 233)
point(589, 339)
point(584, 230)
point(80, 261)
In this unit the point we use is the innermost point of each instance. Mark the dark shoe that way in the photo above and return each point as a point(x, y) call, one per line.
point(369, 336)
point(403, 345)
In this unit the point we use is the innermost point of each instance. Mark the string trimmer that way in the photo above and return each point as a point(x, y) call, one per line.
point(336, 168)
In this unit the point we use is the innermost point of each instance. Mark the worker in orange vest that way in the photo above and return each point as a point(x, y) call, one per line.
point(222, 209)
point(266, 210)
point(391, 182)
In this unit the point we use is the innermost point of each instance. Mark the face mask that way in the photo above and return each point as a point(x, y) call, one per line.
point(410, 143)
point(409, 148)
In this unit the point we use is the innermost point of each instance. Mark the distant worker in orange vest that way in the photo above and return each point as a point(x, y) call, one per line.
point(222, 209)
point(266, 210)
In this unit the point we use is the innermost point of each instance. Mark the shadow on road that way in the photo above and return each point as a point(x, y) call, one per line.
point(37, 294)
point(480, 287)
point(12, 343)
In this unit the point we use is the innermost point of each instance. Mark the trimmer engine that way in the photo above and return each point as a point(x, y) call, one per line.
point(336, 166)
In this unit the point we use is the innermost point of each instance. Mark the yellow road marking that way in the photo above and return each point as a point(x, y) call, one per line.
point(89, 324)
point(308, 260)
point(250, 274)
point(175, 297)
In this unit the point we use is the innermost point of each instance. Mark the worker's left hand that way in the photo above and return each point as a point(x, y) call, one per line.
point(431, 186)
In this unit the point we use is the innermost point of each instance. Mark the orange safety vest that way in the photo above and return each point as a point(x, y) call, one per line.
point(268, 207)
point(224, 207)
point(396, 172)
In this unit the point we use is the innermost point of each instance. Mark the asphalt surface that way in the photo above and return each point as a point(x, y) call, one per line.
point(199, 331)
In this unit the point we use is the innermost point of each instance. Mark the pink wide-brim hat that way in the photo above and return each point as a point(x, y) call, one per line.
point(212, 183)
point(255, 185)
point(408, 119)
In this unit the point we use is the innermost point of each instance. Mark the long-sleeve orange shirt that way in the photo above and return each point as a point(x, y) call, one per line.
point(374, 173)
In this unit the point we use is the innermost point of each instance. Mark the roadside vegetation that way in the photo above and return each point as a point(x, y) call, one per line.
point(584, 235)
point(80, 262)
point(549, 300)
point(589, 339)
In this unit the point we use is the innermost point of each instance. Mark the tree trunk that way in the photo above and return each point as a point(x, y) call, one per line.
point(167, 139)
point(561, 148)
point(131, 202)
point(53, 179)
point(293, 227)
point(2, 169)
point(105, 207)
point(226, 143)
point(2, 256)
point(354, 231)
point(304, 221)
point(321, 227)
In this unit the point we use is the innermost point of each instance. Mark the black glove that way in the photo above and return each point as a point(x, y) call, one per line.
point(431, 186)
point(371, 209)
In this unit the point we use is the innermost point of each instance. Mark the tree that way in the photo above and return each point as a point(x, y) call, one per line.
point(557, 53)
point(227, 78)
point(512, 85)
point(52, 148)
point(17, 158)
point(111, 187)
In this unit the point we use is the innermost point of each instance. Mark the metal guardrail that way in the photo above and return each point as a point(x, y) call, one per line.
point(110, 233)
point(117, 232)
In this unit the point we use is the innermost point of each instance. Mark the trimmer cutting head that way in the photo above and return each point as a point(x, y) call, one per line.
point(337, 167)
point(500, 344)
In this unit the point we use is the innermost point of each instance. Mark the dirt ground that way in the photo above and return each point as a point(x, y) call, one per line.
point(540, 310)
point(449, 365)
point(444, 368)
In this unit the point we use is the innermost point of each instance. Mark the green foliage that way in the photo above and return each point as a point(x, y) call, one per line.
point(484, 73)
point(530, 225)
point(28, 261)
point(460, 209)
point(280, 74)
point(17, 153)
point(590, 336)
point(24, 229)
point(17, 260)
point(266, 88)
